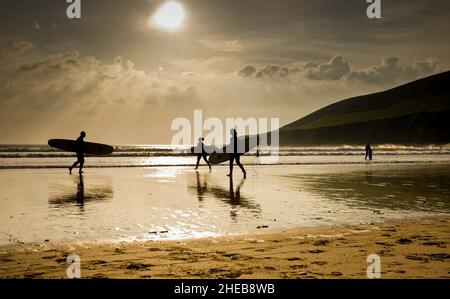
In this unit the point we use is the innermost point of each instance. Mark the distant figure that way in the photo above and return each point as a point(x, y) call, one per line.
point(235, 155)
point(202, 154)
point(79, 145)
point(368, 152)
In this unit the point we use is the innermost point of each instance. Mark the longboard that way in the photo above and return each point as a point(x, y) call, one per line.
point(219, 157)
point(209, 149)
point(88, 148)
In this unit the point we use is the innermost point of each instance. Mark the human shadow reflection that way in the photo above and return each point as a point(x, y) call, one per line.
point(80, 196)
point(231, 196)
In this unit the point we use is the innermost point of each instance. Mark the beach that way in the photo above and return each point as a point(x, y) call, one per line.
point(283, 221)
point(121, 122)
point(415, 248)
point(168, 203)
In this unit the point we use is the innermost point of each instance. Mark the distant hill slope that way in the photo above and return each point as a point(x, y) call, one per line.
point(416, 113)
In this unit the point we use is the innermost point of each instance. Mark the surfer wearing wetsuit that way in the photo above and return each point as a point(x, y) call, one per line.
point(235, 155)
point(368, 152)
point(79, 146)
point(202, 154)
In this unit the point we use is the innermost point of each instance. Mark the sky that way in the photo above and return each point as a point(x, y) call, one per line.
point(123, 79)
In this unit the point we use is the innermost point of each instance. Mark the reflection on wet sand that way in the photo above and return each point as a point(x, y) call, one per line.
point(230, 196)
point(80, 196)
point(394, 189)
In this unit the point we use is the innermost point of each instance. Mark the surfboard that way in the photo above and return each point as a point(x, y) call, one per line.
point(88, 148)
point(250, 142)
point(209, 149)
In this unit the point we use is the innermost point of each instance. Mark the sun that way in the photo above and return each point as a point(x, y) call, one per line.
point(170, 15)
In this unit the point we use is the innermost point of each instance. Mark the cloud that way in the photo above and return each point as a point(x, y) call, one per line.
point(338, 69)
point(390, 72)
point(65, 91)
point(247, 71)
point(69, 79)
point(177, 95)
point(335, 69)
point(222, 45)
point(267, 71)
point(428, 66)
point(20, 47)
point(36, 26)
point(271, 71)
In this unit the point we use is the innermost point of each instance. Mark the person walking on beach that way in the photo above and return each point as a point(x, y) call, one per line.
point(235, 155)
point(201, 153)
point(79, 147)
point(368, 152)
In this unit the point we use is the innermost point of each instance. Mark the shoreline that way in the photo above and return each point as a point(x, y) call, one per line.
point(408, 248)
point(363, 162)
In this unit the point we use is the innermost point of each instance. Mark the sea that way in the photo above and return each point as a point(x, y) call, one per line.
point(43, 156)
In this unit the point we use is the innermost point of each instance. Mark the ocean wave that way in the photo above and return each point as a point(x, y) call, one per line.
point(44, 151)
point(58, 166)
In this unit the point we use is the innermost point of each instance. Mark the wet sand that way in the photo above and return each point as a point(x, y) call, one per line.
point(128, 204)
point(413, 248)
point(316, 221)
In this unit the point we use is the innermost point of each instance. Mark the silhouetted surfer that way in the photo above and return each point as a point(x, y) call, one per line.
point(79, 146)
point(202, 154)
point(368, 152)
point(235, 155)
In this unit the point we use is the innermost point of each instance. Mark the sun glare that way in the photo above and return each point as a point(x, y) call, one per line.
point(170, 15)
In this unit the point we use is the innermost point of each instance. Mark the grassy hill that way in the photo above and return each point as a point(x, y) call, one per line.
point(416, 113)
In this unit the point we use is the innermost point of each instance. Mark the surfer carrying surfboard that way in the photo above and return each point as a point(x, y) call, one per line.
point(79, 147)
point(201, 153)
point(235, 154)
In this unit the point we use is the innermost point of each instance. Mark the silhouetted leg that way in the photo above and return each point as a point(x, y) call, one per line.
point(206, 160)
point(231, 189)
point(81, 160)
point(198, 161)
point(73, 166)
point(231, 166)
point(238, 162)
point(81, 165)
